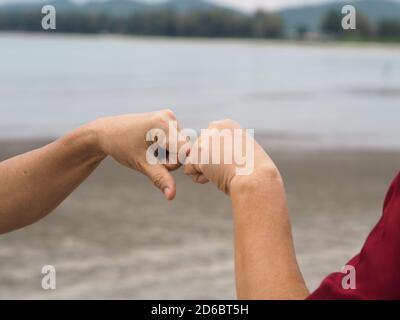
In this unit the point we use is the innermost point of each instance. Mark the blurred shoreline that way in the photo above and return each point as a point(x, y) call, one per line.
point(329, 44)
point(116, 237)
point(279, 141)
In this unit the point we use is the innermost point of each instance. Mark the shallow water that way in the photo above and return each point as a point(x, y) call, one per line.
point(327, 95)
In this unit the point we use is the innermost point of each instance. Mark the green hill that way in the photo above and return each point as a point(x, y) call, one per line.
point(205, 18)
point(117, 7)
point(310, 16)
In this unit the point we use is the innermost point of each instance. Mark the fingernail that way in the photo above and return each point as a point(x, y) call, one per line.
point(166, 192)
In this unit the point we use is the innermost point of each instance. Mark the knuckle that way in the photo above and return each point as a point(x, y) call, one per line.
point(227, 121)
point(224, 124)
point(157, 117)
point(230, 123)
point(161, 121)
point(169, 114)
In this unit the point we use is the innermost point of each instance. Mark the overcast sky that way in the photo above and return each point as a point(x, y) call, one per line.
point(269, 4)
point(242, 4)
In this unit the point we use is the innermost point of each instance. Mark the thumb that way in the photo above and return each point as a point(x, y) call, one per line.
point(162, 179)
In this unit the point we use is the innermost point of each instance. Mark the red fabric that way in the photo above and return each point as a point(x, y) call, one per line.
point(377, 266)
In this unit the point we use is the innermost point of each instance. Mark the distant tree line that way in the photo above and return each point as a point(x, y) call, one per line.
point(162, 23)
point(219, 23)
point(385, 30)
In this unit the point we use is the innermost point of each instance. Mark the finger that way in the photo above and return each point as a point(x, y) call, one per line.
point(172, 167)
point(201, 179)
point(183, 142)
point(190, 170)
point(184, 146)
point(178, 157)
point(162, 179)
point(176, 144)
point(193, 157)
point(194, 178)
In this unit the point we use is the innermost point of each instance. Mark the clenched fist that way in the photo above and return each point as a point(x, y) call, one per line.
point(126, 139)
point(226, 154)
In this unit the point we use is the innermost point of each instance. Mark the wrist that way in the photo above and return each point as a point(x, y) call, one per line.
point(89, 137)
point(260, 196)
point(264, 177)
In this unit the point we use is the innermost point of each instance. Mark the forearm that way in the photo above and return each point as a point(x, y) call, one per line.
point(35, 183)
point(266, 266)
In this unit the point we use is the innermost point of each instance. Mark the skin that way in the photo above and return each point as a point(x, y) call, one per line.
point(35, 183)
point(265, 260)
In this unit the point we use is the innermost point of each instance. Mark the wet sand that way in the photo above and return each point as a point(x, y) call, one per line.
point(116, 237)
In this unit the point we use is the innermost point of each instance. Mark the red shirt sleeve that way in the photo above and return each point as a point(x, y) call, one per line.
point(377, 266)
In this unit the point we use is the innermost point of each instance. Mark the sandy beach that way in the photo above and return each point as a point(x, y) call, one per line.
point(116, 237)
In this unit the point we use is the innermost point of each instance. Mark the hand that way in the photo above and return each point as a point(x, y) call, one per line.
point(225, 174)
point(265, 260)
point(124, 139)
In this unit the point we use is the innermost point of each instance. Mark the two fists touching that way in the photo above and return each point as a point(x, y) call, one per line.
point(216, 156)
point(33, 184)
point(227, 156)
